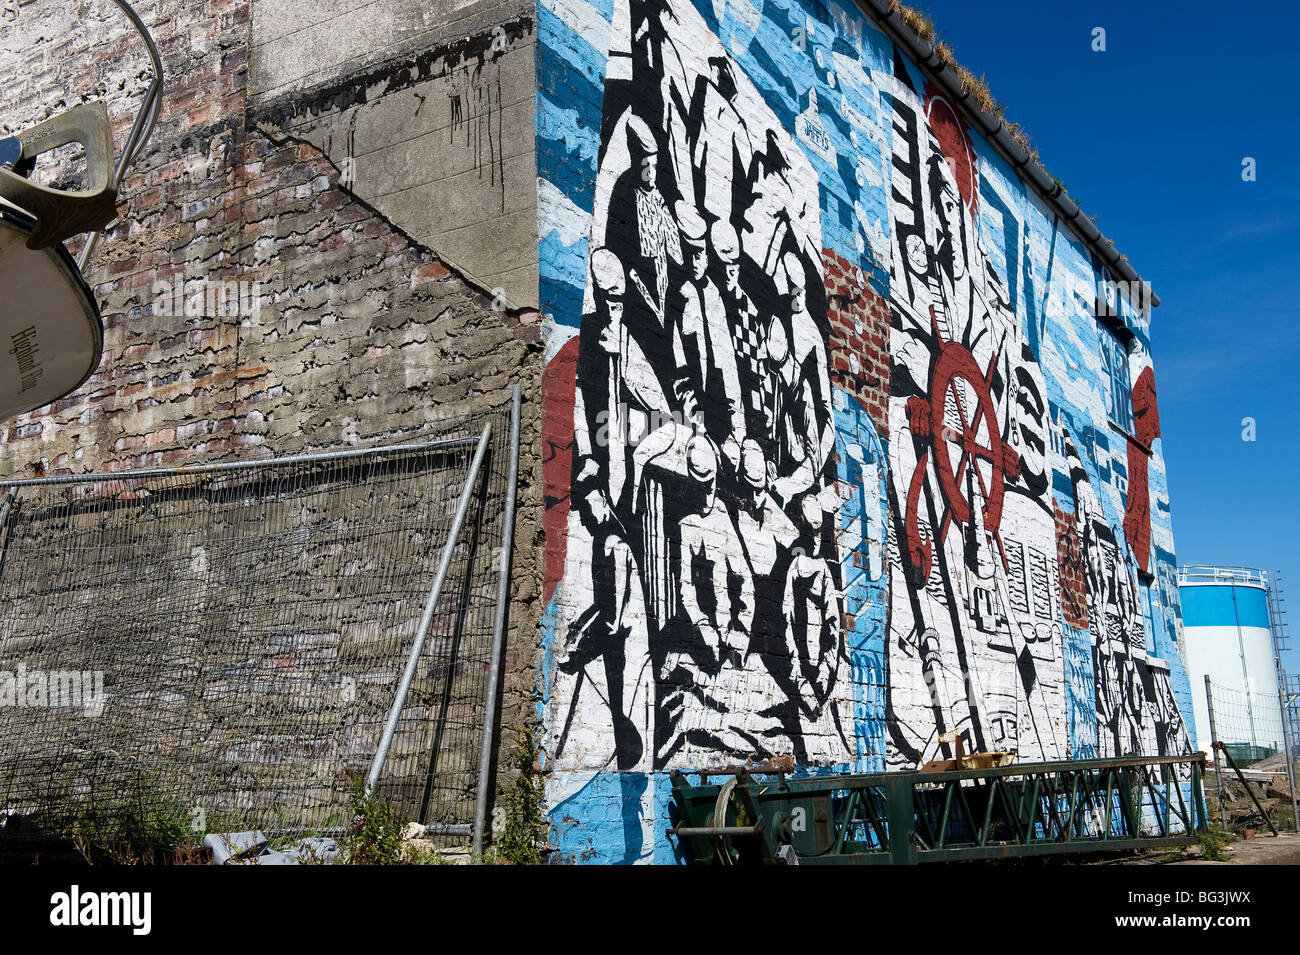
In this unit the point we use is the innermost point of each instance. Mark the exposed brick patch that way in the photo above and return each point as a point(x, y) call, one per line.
point(559, 382)
point(1069, 556)
point(859, 345)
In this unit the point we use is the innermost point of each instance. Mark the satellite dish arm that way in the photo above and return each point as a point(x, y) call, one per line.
point(145, 118)
point(59, 213)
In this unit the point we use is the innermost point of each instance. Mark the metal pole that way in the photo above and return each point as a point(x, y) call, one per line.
point(145, 118)
point(1290, 768)
point(1278, 633)
point(4, 528)
point(188, 469)
point(498, 626)
point(1218, 768)
point(1246, 785)
point(430, 605)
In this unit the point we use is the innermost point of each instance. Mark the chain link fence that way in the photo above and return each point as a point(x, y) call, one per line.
point(1248, 724)
point(1254, 730)
point(218, 648)
point(1293, 714)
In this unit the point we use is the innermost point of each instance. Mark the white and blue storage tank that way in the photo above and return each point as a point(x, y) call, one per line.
point(1229, 636)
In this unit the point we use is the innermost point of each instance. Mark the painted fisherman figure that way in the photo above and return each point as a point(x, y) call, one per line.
point(702, 347)
point(607, 645)
point(805, 431)
point(618, 394)
point(646, 240)
point(721, 696)
point(748, 334)
point(811, 605)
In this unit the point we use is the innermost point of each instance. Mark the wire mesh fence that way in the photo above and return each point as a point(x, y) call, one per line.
point(217, 648)
point(1248, 724)
point(1293, 713)
point(1254, 779)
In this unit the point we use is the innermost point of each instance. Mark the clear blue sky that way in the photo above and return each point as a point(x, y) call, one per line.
point(1149, 137)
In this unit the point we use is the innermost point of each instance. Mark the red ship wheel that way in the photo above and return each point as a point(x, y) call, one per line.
point(977, 446)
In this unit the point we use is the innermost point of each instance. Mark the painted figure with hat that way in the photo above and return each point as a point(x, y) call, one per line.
point(617, 395)
point(749, 335)
point(811, 604)
point(643, 233)
point(715, 686)
point(702, 347)
point(805, 430)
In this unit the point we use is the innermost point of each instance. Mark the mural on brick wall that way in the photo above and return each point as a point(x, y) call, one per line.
point(706, 623)
point(831, 460)
point(975, 624)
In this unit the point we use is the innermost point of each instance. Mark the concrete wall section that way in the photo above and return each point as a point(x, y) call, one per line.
point(830, 469)
point(426, 111)
point(300, 44)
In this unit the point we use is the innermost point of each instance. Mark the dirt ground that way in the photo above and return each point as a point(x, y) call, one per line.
point(1264, 849)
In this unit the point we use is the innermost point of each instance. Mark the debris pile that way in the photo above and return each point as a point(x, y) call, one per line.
point(1267, 780)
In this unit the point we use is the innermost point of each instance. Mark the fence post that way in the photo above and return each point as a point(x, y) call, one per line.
point(498, 627)
point(902, 817)
point(1286, 752)
point(431, 604)
point(1218, 767)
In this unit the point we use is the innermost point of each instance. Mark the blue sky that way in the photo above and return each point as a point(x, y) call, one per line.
point(1149, 137)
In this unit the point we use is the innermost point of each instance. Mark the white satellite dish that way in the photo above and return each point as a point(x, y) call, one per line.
point(51, 335)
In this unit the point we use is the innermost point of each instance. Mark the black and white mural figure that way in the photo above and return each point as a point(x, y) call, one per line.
point(974, 601)
point(709, 382)
point(609, 641)
point(1136, 711)
point(651, 243)
point(703, 574)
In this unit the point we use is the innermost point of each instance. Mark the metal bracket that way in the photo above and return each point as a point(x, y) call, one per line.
point(63, 213)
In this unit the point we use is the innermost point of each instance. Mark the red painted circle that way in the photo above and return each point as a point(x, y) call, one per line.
point(957, 364)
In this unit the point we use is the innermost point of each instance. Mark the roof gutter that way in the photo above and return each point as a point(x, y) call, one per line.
point(996, 131)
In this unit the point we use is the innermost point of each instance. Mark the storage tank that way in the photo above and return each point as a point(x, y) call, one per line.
point(1229, 635)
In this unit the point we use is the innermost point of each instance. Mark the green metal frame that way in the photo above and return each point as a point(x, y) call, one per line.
point(905, 818)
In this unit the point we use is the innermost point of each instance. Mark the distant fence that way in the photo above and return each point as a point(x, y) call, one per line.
point(221, 645)
point(1256, 732)
point(1249, 724)
point(1293, 713)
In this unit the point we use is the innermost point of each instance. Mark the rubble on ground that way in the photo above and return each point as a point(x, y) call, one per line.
point(1268, 783)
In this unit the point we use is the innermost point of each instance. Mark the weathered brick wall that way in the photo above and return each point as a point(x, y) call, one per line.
point(348, 332)
point(1069, 558)
point(859, 336)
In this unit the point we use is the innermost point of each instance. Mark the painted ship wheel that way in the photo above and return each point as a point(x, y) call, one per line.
point(977, 446)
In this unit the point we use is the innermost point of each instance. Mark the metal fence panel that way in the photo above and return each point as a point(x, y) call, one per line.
point(221, 645)
point(1249, 724)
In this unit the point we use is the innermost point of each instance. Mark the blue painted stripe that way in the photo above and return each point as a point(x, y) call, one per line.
point(561, 301)
point(566, 153)
point(556, 42)
point(1214, 606)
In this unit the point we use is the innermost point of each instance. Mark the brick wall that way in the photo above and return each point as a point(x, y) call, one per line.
point(348, 331)
point(859, 339)
point(1069, 556)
